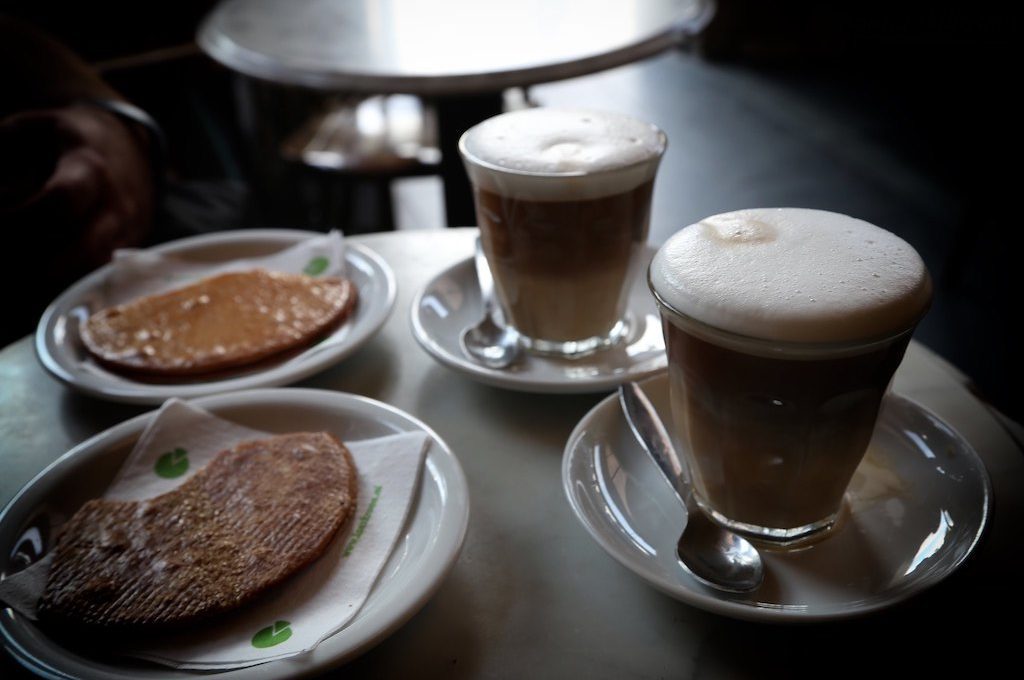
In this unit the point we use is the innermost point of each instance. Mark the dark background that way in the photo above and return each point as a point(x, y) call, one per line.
point(898, 113)
point(909, 103)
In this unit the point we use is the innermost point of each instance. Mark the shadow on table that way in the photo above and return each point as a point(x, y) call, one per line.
point(547, 419)
point(946, 632)
point(441, 640)
point(81, 416)
point(367, 372)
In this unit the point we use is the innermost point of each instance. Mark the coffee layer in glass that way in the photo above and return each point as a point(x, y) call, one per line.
point(773, 432)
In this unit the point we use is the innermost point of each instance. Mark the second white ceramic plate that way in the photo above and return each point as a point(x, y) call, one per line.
point(62, 353)
point(914, 511)
point(450, 303)
point(425, 551)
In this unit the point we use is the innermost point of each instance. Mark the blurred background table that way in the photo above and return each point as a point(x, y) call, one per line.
point(531, 594)
point(460, 56)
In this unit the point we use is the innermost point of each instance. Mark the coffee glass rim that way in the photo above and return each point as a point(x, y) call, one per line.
point(476, 160)
point(782, 348)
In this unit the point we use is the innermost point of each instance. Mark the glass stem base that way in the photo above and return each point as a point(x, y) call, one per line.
point(772, 534)
point(576, 348)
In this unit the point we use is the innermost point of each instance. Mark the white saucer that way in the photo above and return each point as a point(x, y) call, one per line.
point(62, 354)
point(915, 510)
point(450, 302)
point(425, 552)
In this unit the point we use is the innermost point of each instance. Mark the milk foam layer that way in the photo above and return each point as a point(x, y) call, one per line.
point(561, 154)
point(793, 274)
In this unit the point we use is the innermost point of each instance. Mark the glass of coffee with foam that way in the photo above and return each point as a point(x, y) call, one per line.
point(784, 328)
point(563, 199)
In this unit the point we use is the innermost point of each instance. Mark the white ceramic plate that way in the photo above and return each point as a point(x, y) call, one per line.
point(425, 552)
point(914, 511)
point(450, 302)
point(61, 352)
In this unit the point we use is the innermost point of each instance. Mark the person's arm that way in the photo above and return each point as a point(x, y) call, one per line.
point(76, 179)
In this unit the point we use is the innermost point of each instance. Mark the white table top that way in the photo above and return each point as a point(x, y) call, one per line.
point(441, 46)
point(531, 594)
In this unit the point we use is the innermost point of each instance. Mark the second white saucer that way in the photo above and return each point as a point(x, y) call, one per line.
point(914, 511)
point(450, 302)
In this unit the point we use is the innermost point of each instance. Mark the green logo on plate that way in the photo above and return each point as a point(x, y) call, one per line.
point(272, 635)
point(172, 464)
point(316, 266)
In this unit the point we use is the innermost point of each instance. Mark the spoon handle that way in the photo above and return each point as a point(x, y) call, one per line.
point(483, 275)
point(649, 429)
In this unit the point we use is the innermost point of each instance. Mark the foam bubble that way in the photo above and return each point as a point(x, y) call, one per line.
point(561, 154)
point(793, 274)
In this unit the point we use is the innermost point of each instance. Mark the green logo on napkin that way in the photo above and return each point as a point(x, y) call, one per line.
point(363, 521)
point(272, 635)
point(316, 266)
point(172, 464)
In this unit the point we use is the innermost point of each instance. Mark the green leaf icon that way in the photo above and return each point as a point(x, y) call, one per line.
point(272, 635)
point(172, 464)
point(316, 266)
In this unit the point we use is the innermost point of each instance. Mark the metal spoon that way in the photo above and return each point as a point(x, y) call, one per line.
point(489, 342)
point(711, 553)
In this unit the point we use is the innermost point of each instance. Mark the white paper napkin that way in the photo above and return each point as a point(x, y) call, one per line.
point(310, 606)
point(135, 273)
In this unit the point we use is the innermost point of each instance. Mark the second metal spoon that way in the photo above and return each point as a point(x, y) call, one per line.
point(711, 553)
point(489, 342)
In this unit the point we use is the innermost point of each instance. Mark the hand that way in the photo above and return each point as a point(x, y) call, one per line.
point(75, 184)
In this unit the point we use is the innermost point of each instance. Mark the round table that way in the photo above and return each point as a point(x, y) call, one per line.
point(459, 53)
point(531, 594)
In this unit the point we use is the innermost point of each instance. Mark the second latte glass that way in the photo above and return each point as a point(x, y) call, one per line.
point(563, 200)
point(784, 328)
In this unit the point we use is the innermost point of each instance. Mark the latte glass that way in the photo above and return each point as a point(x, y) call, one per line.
point(774, 427)
point(563, 201)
